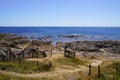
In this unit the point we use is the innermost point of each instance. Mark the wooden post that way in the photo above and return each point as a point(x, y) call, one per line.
point(65, 51)
point(44, 54)
point(50, 64)
point(74, 54)
point(99, 71)
point(10, 55)
point(23, 55)
point(19, 59)
point(50, 52)
point(89, 70)
point(37, 63)
point(37, 54)
point(117, 73)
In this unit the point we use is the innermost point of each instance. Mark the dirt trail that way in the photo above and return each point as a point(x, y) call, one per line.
point(56, 72)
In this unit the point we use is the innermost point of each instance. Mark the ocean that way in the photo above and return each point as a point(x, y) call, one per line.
point(87, 33)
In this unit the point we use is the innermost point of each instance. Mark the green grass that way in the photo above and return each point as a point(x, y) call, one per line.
point(112, 69)
point(27, 67)
point(114, 64)
point(109, 71)
point(70, 62)
point(11, 77)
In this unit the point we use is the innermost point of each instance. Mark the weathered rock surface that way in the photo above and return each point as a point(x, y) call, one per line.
point(111, 47)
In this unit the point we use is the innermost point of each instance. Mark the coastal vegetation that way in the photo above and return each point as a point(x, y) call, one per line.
point(26, 67)
point(70, 62)
point(22, 58)
point(107, 72)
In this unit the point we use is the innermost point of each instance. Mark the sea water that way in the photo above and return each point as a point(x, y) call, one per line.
point(87, 33)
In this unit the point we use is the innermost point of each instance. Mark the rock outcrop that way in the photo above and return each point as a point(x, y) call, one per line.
point(87, 47)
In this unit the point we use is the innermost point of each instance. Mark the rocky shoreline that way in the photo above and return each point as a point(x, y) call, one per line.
point(107, 48)
point(12, 45)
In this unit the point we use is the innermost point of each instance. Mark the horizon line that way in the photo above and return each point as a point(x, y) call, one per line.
point(52, 26)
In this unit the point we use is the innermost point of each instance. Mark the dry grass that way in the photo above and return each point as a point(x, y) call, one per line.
point(75, 69)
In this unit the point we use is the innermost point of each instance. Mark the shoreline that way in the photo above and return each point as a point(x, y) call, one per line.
point(83, 48)
point(67, 37)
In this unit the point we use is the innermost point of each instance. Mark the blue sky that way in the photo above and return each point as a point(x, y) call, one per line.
point(59, 12)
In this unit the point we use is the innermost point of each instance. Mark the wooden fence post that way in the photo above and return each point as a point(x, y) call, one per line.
point(19, 59)
point(117, 73)
point(65, 51)
point(74, 54)
point(37, 63)
point(50, 52)
point(99, 71)
point(89, 70)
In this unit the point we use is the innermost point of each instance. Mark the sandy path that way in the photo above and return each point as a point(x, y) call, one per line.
point(56, 72)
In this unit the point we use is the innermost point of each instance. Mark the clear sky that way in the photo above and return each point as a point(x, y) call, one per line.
point(59, 12)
